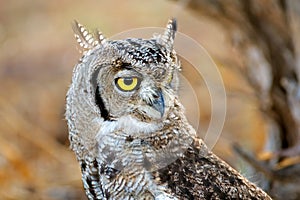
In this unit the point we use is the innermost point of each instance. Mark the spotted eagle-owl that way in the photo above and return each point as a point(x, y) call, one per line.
point(128, 129)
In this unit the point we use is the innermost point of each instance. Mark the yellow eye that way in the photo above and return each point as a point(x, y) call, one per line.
point(127, 84)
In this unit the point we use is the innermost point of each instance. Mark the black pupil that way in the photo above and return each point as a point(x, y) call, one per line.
point(128, 81)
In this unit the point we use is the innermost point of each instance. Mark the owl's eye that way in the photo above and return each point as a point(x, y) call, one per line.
point(127, 84)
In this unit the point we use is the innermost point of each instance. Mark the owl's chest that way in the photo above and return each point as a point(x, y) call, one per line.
point(127, 149)
point(125, 169)
point(122, 152)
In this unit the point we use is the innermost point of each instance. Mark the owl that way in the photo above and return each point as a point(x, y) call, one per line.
point(128, 129)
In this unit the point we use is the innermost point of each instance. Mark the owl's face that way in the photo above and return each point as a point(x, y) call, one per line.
point(140, 87)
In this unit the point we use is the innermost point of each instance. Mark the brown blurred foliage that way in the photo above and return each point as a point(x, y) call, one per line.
point(37, 54)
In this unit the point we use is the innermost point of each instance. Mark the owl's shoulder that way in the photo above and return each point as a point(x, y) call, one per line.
point(199, 174)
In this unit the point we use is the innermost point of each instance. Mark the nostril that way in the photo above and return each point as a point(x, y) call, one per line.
point(155, 96)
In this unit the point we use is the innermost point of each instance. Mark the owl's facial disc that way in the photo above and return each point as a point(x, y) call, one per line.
point(141, 94)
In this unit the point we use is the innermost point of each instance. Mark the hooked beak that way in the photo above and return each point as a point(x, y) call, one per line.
point(158, 103)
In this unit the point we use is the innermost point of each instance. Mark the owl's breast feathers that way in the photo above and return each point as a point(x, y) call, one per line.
point(173, 163)
point(197, 174)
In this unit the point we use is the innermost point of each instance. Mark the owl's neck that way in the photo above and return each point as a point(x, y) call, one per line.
point(128, 141)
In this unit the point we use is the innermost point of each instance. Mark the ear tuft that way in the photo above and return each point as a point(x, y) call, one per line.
point(167, 39)
point(85, 39)
point(100, 38)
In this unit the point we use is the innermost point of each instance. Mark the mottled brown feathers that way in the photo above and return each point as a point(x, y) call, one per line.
point(205, 176)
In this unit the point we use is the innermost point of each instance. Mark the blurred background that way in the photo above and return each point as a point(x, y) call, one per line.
point(37, 56)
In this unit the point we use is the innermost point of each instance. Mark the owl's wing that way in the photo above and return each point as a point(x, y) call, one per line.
point(200, 174)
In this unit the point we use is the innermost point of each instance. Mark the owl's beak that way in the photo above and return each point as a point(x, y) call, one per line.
point(159, 103)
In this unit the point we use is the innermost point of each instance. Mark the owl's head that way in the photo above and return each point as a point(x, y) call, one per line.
point(132, 77)
point(125, 85)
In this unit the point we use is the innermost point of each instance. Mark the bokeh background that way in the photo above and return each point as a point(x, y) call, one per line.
point(37, 56)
